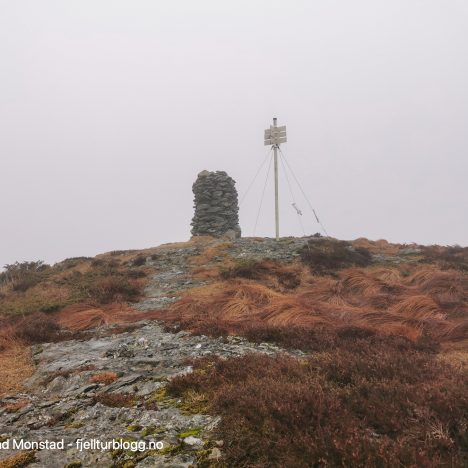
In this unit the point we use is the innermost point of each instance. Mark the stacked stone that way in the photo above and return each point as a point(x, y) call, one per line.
point(216, 207)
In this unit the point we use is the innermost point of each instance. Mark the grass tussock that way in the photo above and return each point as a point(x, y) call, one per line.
point(84, 316)
point(19, 460)
point(413, 301)
point(360, 400)
point(209, 254)
point(105, 378)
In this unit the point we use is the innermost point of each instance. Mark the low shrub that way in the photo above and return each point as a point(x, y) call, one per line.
point(245, 268)
point(325, 256)
point(19, 271)
point(380, 403)
point(113, 289)
point(139, 260)
point(115, 400)
point(23, 276)
point(37, 328)
point(25, 283)
point(252, 269)
point(446, 257)
point(136, 274)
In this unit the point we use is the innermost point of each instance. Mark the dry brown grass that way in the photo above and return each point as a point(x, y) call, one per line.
point(15, 367)
point(18, 460)
point(104, 377)
point(379, 246)
point(205, 273)
point(16, 406)
point(209, 253)
point(83, 316)
point(410, 301)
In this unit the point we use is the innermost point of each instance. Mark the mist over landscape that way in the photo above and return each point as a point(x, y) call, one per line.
point(110, 109)
point(160, 306)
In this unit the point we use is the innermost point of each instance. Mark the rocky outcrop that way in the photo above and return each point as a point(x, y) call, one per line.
point(216, 207)
point(63, 402)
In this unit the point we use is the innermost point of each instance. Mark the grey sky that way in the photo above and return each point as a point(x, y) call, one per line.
point(109, 109)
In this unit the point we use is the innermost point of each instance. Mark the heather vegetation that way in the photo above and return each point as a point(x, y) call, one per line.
point(325, 256)
point(455, 257)
point(377, 389)
point(41, 303)
point(34, 287)
point(360, 401)
point(383, 329)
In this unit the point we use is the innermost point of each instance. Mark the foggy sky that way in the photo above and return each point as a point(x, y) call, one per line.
point(109, 109)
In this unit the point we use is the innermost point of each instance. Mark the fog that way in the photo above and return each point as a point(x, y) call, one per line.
point(109, 109)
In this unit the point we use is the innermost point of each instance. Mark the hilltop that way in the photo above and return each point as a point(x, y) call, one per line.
point(241, 352)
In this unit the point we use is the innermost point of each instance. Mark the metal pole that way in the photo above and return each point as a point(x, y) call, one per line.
point(275, 151)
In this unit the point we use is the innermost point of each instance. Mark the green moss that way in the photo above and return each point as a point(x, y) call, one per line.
point(129, 464)
point(151, 430)
point(119, 452)
point(161, 396)
point(170, 450)
point(191, 432)
point(74, 425)
point(73, 464)
point(134, 427)
point(159, 378)
point(193, 403)
point(20, 305)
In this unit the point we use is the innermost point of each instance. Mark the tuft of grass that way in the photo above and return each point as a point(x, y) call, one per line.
point(105, 378)
point(407, 300)
point(209, 254)
point(15, 367)
point(190, 432)
point(19, 460)
point(193, 403)
point(16, 406)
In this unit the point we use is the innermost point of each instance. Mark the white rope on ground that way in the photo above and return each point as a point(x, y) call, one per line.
point(303, 193)
point(256, 175)
point(261, 199)
point(294, 204)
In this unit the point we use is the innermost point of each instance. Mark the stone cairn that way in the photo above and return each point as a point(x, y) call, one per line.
point(216, 207)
